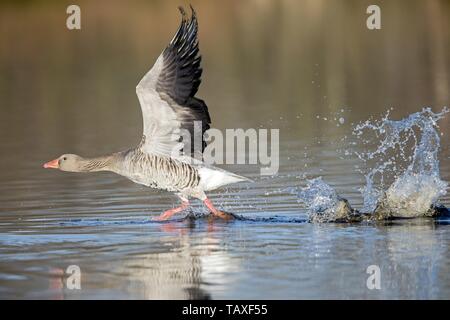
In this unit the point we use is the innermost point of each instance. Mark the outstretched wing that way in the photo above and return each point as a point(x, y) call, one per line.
point(166, 94)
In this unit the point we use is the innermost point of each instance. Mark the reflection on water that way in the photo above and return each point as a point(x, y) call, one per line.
point(237, 260)
point(291, 65)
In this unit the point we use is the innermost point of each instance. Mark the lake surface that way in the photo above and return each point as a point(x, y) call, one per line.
point(64, 92)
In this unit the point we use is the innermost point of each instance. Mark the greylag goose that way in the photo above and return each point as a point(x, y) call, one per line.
point(167, 98)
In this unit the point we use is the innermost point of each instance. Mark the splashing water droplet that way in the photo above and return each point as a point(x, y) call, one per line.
point(402, 171)
point(322, 202)
point(404, 162)
point(317, 196)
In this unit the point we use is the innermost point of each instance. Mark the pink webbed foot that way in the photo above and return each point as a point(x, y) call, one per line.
point(216, 212)
point(167, 214)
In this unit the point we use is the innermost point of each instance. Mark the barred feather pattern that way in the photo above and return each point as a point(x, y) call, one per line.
point(159, 172)
point(96, 164)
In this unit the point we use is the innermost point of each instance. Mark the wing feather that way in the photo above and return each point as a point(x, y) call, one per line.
point(167, 96)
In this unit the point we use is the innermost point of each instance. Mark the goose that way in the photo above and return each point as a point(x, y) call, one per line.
point(163, 160)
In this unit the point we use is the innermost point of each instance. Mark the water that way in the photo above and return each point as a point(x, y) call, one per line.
point(101, 222)
point(413, 190)
point(319, 197)
point(322, 202)
point(64, 92)
point(407, 154)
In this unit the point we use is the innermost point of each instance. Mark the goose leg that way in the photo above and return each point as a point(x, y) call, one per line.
point(167, 214)
point(214, 210)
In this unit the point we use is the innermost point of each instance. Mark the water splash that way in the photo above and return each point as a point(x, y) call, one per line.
point(403, 177)
point(323, 203)
point(404, 162)
point(412, 195)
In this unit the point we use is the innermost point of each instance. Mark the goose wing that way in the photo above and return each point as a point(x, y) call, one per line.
point(167, 96)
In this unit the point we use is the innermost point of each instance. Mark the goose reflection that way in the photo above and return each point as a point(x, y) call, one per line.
point(186, 269)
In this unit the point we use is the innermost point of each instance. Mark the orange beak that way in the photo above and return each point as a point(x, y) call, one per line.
point(54, 164)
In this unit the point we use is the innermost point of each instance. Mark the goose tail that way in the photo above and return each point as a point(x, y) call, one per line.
point(213, 178)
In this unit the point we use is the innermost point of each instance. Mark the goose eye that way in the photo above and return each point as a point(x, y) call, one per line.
point(64, 158)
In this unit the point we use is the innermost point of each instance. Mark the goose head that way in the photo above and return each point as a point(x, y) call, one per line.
point(66, 162)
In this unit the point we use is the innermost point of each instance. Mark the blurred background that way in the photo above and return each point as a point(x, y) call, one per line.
point(262, 60)
point(295, 65)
